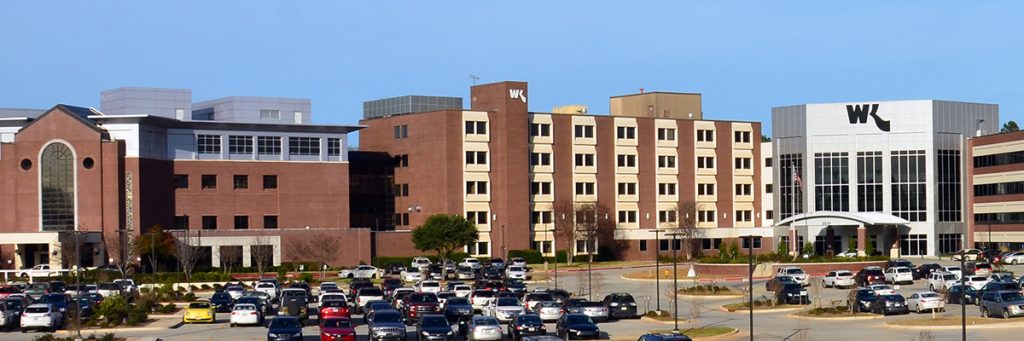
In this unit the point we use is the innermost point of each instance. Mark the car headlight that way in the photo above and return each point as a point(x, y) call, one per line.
point(272, 335)
point(614, 304)
point(451, 332)
point(425, 333)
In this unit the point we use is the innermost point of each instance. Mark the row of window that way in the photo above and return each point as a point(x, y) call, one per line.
point(266, 145)
point(630, 133)
point(209, 222)
point(624, 216)
point(999, 218)
point(622, 160)
point(209, 181)
point(624, 188)
point(706, 244)
point(1002, 188)
point(999, 159)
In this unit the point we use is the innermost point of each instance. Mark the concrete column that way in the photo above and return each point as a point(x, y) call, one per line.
point(247, 255)
point(894, 249)
point(830, 237)
point(862, 240)
point(794, 249)
point(215, 256)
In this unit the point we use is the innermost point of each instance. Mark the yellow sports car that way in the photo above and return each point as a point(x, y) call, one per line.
point(201, 311)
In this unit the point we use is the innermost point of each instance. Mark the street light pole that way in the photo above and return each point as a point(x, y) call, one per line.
point(963, 294)
point(750, 281)
point(675, 283)
point(657, 270)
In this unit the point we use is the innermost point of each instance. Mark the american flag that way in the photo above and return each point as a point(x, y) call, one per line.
point(797, 180)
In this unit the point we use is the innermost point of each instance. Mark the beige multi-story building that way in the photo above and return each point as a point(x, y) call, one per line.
point(507, 168)
point(996, 180)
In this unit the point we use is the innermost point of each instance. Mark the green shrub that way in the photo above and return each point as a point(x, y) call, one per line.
point(205, 287)
point(808, 249)
point(531, 256)
point(168, 308)
point(306, 277)
point(189, 297)
point(137, 315)
point(107, 337)
point(112, 309)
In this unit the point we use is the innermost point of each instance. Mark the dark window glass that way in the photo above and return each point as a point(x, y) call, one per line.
point(209, 222)
point(241, 181)
point(57, 185)
point(180, 181)
point(270, 182)
point(270, 221)
point(241, 222)
point(209, 181)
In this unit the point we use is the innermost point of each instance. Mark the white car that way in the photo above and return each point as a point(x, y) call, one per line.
point(41, 316)
point(235, 291)
point(462, 290)
point(517, 261)
point(41, 270)
point(925, 300)
point(480, 298)
point(847, 254)
point(429, 286)
point(882, 289)
point(362, 271)
point(797, 273)
point(267, 287)
point(332, 295)
point(245, 314)
point(899, 274)
point(977, 282)
point(516, 272)
point(471, 262)
point(420, 263)
point(412, 276)
point(127, 285)
point(941, 280)
point(1016, 257)
point(838, 279)
point(505, 308)
point(108, 289)
point(327, 285)
point(956, 270)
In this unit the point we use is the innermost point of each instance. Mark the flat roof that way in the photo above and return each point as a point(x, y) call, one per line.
point(658, 92)
point(221, 125)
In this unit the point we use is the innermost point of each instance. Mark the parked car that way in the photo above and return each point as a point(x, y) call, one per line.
point(595, 310)
point(517, 272)
point(497, 263)
point(412, 275)
point(796, 273)
point(429, 286)
point(362, 271)
point(860, 299)
point(398, 295)
point(838, 279)
point(367, 294)
point(472, 263)
point(560, 295)
point(465, 272)
point(882, 289)
point(284, 328)
point(976, 281)
point(419, 305)
point(620, 305)
point(1016, 257)
point(924, 270)
point(395, 269)
point(40, 270)
point(374, 306)
point(926, 301)
point(41, 316)
point(262, 305)
point(889, 304)
point(235, 291)
point(420, 263)
point(484, 328)
point(1005, 303)
point(870, 275)
point(201, 311)
point(526, 325)
point(337, 308)
point(388, 285)
point(791, 293)
point(899, 262)
point(458, 308)
point(359, 283)
point(268, 287)
point(36, 290)
point(978, 269)
point(968, 254)
point(517, 261)
point(970, 296)
point(386, 325)
point(577, 326)
point(480, 298)
point(435, 271)
point(516, 286)
point(434, 328)
point(462, 290)
point(992, 256)
point(222, 302)
point(245, 314)
point(491, 273)
point(774, 283)
point(939, 281)
point(531, 299)
point(504, 309)
point(336, 328)
point(899, 274)
point(993, 286)
point(548, 310)
point(1003, 276)
point(664, 337)
point(294, 302)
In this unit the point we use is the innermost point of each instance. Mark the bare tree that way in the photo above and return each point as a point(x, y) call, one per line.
point(565, 226)
point(187, 252)
point(262, 253)
point(686, 227)
point(122, 250)
point(315, 246)
point(230, 256)
point(594, 222)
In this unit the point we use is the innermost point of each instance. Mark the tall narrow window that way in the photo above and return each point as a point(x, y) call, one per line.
point(57, 185)
point(869, 181)
point(831, 190)
point(333, 146)
point(791, 185)
point(909, 187)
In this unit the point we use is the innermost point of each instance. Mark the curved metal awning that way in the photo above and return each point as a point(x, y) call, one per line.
point(846, 218)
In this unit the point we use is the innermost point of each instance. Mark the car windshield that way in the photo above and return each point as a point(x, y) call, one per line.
point(539, 297)
point(424, 298)
point(370, 291)
point(515, 268)
point(952, 268)
point(794, 271)
point(949, 277)
point(391, 317)
point(483, 293)
point(623, 299)
point(844, 273)
point(507, 302)
point(486, 322)
point(573, 319)
point(531, 319)
point(199, 305)
point(37, 310)
point(334, 304)
point(866, 294)
point(221, 296)
point(234, 289)
point(1011, 296)
point(434, 321)
point(548, 304)
point(929, 295)
point(895, 298)
point(284, 323)
point(457, 301)
point(293, 293)
point(54, 298)
point(244, 307)
point(431, 284)
point(786, 279)
point(337, 323)
point(983, 266)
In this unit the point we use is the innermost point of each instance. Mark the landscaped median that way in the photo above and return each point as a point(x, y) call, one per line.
point(710, 290)
point(760, 305)
point(703, 332)
point(837, 313)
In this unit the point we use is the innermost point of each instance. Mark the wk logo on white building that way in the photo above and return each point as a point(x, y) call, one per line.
point(859, 114)
point(517, 93)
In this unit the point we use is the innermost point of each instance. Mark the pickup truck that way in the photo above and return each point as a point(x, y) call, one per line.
point(41, 270)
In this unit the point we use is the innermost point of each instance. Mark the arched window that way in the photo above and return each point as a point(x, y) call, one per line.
point(57, 184)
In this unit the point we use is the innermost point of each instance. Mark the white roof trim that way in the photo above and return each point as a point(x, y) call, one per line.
point(856, 218)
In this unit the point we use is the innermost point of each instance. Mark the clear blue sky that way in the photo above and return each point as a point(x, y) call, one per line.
point(745, 57)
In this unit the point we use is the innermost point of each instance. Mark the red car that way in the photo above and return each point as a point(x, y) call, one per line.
point(337, 329)
point(334, 309)
point(8, 290)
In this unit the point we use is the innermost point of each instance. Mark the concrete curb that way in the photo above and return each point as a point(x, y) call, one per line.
point(651, 320)
point(839, 318)
point(709, 296)
point(716, 337)
point(698, 279)
point(763, 311)
point(1015, 324)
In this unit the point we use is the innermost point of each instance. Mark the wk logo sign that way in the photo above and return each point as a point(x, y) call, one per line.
point(517, 93)
point(859, 114)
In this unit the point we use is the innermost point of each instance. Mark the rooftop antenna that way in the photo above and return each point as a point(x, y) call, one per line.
point(474, 78)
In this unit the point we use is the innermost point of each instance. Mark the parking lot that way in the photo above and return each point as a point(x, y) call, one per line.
point(770, 325)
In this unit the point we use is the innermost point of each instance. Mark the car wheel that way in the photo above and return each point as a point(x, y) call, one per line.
point(984, 312)
point(1014, 262)
point(823, 284)
point(931, 287)
point(919, 309)
point(1006, 314)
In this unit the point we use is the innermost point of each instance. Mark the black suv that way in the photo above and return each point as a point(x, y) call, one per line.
point(890, 304)
point(664, 337)
point(791, 293)
point(620, 305)
point(922, 271)
point(859, 300)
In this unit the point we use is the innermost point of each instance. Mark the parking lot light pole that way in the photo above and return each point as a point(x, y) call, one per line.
point(750, 281)
point(675, 282)
point(657, 271)
point(963, 295)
